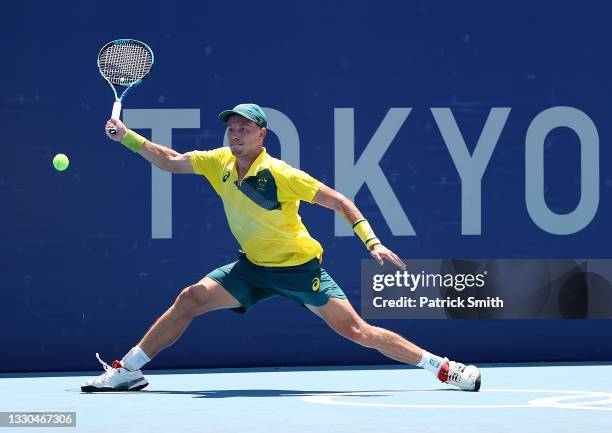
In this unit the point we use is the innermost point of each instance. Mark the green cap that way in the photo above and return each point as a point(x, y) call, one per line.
point(250, 111)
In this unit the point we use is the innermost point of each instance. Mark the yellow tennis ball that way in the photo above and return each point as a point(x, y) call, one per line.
point(60, 162)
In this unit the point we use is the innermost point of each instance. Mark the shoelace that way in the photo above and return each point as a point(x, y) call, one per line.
point(104, 364)
point(456, 374)
point(109, 370)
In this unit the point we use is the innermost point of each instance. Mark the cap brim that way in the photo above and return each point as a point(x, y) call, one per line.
point(224, 115)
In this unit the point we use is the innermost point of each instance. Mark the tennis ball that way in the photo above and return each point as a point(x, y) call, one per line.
point(60, 162)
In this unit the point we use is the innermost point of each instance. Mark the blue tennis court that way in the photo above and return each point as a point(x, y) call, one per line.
point(534, 398)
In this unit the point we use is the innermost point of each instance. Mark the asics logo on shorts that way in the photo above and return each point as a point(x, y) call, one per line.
point(316, 283)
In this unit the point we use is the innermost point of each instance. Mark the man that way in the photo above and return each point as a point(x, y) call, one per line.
point(261, 195)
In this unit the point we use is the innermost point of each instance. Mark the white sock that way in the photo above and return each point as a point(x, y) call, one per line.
point(135, 359)
point(431, 362)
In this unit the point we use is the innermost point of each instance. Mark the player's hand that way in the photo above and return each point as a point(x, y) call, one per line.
point(380, 253)
point(119, 126)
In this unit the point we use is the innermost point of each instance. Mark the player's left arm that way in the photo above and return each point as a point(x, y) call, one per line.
point(332, 199)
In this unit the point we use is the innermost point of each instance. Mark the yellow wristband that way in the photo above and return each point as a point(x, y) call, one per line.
point(365, 233)
point(133, 141)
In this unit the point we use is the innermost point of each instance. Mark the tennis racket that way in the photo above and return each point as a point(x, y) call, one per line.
point(124, 62)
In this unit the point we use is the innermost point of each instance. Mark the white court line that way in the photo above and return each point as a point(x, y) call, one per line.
point(547, 402)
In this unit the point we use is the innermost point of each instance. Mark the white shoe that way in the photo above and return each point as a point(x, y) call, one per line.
point(115, 378)
point(465, 377)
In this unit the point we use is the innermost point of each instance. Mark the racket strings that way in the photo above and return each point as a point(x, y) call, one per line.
point(125, 63)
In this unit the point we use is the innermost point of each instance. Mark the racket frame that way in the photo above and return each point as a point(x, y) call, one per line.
point(129, 86)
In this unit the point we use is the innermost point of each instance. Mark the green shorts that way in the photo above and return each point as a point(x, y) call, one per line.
point(250, 283)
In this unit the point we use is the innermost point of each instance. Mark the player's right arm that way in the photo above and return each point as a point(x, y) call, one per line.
point(158, 155)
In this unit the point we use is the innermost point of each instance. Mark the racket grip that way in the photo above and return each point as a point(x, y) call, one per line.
point(115, 115)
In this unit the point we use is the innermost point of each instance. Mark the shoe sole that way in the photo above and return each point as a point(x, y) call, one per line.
point(477, 384)
point(91, 388)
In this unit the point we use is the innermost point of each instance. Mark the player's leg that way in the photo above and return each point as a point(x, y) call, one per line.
point(340, 315)
point(204, 296)
point(125, 375)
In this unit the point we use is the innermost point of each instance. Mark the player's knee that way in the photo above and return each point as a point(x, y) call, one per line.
point(191, 300)
point(357, 331)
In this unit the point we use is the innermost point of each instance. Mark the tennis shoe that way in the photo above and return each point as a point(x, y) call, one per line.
point(465, 377)
point(115, 378)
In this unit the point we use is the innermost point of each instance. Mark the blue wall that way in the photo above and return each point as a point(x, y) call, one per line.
point(81, 272)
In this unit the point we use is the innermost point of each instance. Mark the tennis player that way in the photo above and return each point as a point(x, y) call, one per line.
point(261, 196)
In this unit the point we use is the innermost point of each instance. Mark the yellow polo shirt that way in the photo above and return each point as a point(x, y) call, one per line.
point(262, 211)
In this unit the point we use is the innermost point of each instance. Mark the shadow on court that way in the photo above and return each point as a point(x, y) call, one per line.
point(259, 393)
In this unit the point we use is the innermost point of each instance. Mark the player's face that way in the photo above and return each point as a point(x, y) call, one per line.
point(244, 136)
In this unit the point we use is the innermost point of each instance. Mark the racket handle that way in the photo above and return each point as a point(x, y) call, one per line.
point(115, 115)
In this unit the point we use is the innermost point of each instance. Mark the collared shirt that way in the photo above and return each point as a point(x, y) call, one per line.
point(262, 209)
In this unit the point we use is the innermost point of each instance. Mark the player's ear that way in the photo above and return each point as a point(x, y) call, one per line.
point(262, 132)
